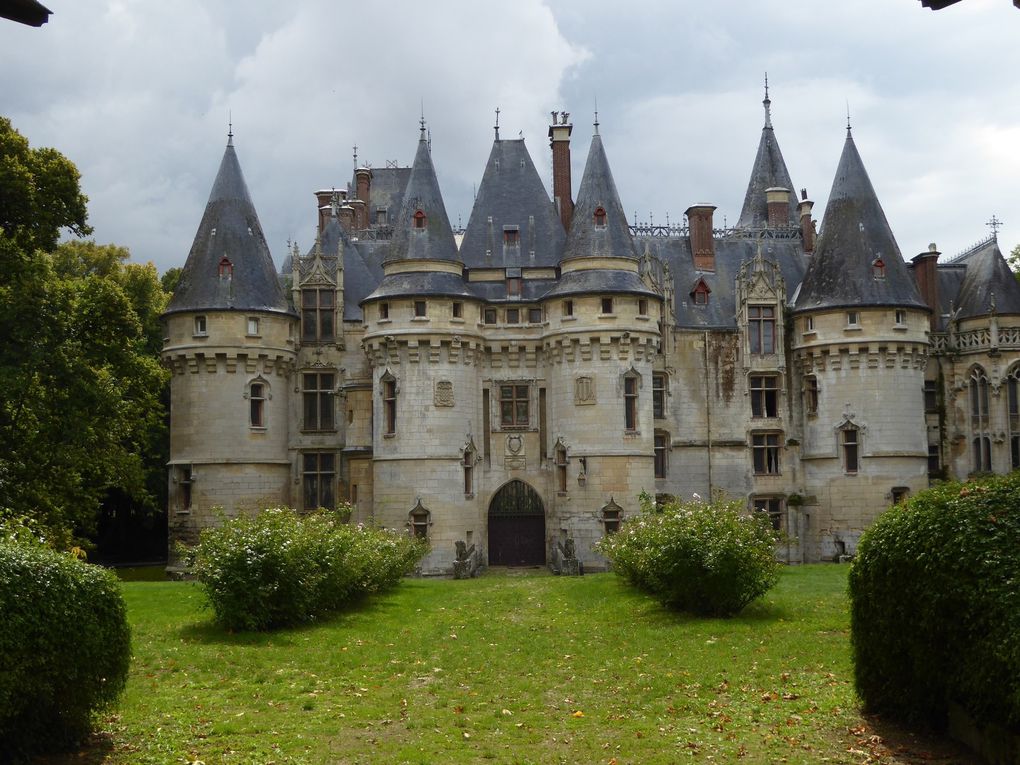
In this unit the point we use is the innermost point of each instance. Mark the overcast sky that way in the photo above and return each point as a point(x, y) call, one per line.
point(138, 93)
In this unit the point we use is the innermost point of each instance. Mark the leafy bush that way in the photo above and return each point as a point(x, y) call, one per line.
point(280, 568)
point(935, 605)
point(65, 647)
point(707, 558)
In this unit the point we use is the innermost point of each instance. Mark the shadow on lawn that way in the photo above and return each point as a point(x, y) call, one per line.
point(94, 751)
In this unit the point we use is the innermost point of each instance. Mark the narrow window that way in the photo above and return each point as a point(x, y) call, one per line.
point(772, 508)
point(931, 396)
point(513, 316)
point(200, 325)
point(934, 461)
point(630, 403)
point(420, 308)
point(513, 405)
point(513, 286)
point(599, 217)
point(489, 316)
point(226, 268)
point(809, 324)
point(458, 309)
point(853, 318)
point(661, 454)
point(384, 311)
point(561, 468)
point(851, 451)
point(811, 395)
point(317, 315)
point(319, 478)
point(607, 305)
point(642, 306)
point(761, 328)
point(257, 404)
point(318, 399)
point(543, 434)
point(568, 307)
point(253, 326)
point(764, 396)
point(534, 316)
point(659, 395)
point(420, 221)
point(878, 268)
point(1013, 410)
point(901, 317)
point(982, 454)
point(389, 402)
point(468, 463)
point(184, 482)
point(765, 453)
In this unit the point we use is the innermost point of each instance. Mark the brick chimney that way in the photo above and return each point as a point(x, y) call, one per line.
point(807, 226)
point(777, 199)
point(926, 274)
point(699, 224)
point(363, 180)
point(559, 142)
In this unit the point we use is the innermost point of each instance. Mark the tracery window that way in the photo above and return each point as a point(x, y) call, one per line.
point(981, 442)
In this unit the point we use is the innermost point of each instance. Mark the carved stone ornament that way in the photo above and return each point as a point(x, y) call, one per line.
point(584, 390)
point(514, 458)
point(444, 393)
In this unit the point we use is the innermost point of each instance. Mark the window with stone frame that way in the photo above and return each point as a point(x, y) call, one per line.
point(183, 475)
point(659, 391)
point(318, 315)
point(851, 445)
point(764, 395)
point(931, 396)
point(257, 393)
point(201, 326)
point(811, 395)
point(934, 460)
point(560, 461)
point(612, 517)
point(535, 316)
point(419, 520)
point(661, 447)
point(421, 309)
point(489, 316)
point(514, 404)
point(1013, 415)
point(761, 329)
point(318, 474)
point(388, 393)
point(981, 447)
point(766, 453)
point(468, 464)
point(981, 442)
point(630, 401)
point(770, 507)
point(318, 400)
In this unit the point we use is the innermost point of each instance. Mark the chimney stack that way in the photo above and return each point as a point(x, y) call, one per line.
point(807, 226)
point(559, 142)
point(926, 274)
point(777, 199)
point(363, 180)
point(699, 224)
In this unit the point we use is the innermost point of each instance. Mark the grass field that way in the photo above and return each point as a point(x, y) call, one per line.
point(509, 668)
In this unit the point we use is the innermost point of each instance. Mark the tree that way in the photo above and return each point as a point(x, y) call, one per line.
point(79, 341)
point(1014, 261)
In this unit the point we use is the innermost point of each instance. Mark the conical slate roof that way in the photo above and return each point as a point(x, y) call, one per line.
point(598, 191)
point(769, 171)
point(988, 283)
point(434, 240)
point(855, 235)
point(512, 196)
point(230, 228)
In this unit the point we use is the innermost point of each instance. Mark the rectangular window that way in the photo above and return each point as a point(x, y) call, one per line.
point(511, 236)
point(1014, 452)
point(642, 307)
point(513, 316)
point(811, 395)
point(809, 324)
point(853, 318)
point(420, 308)
point(513, 405)
point(381, 217)
point(761, 328)
point(389, 400)
point(658, 395)
point(489, 316)
point(534, 316)
point(318, 396)
point(851, 451)
point(982, 454)
point(184, 492)
point(318, 470)
point(772, 507)
point(661, 454)
point(934, 463)
point(317, 315)
point(384, 310)
point(253, 326)
point(611, 519)
point(764, 396)
point(630, 403)
point(257, 404)
point(931, 396)
point(469, 470)
point(200, 325)
point(513, 286)
point(765, 453)
point(458, 309)
point(607, 305)
point(561, 470)
point(568, 307)
point(901, 317)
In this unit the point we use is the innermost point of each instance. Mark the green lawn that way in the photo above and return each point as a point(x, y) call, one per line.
point(507, 668)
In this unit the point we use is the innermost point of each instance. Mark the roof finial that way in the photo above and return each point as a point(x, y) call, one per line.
point(422, 121)
point(355, 156)
point(230, 128)
point(497, 123)
point(848, 115)
point(767, 103)
point(596, 115)
point(994, 224)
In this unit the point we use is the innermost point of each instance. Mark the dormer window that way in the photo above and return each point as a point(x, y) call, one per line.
point(511, 236)
point(513, 286)
point(700, 293)
point(600, 217)
point(878, 268)
point(226, 268)
point(420, 220)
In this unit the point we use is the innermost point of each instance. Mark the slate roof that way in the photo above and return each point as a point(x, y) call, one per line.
point(361, 275)
point(230, 227)
point(598, 189)
point(386, 191)
point(512, 194)
point(595, 281)
point(425, 283)
point(987, 280)
point(434, 241)
point(854, 234)
point(769, 171)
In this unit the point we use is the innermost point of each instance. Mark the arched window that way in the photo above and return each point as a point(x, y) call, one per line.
point(600, 217)
point(981, 442)
point(419, 520)
point(226, 268)
point(878, 268)
point(257, 395)
point(850, 442)
point(420, 219)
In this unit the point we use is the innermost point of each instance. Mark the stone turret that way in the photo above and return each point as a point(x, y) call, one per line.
point(231, 350)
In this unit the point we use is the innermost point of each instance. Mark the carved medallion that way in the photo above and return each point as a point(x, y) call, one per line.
point(444, 393)
point(584, 390)
point(513, 458)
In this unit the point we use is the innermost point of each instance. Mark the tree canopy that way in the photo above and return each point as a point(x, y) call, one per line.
point(81, 412)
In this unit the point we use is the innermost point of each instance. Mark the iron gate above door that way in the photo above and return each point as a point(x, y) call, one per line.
point(516, 526)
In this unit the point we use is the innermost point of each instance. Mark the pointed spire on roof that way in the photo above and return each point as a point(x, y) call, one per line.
point(229, 229)
point(596, 115)
point(230, 129)
point(769, 172)
point(856, 261)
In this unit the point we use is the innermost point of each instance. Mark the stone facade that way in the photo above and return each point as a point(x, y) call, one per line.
point(515, 389)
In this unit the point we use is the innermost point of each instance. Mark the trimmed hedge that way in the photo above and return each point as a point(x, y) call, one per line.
point(708, 558)
point(65, 647)
point(279, 568)
point(935, 605)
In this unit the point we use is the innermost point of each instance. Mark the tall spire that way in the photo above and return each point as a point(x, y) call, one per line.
point(767, 103)
point(769, 172)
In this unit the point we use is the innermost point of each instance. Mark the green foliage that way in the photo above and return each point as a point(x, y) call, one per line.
point(1014, 261)
point(279, 568)
point(65, 643)
point(935, 604)
point(707, 558)
point(82, 412)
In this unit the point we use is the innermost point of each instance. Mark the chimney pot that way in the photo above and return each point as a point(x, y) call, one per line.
point(559, 142)
point(699, 220)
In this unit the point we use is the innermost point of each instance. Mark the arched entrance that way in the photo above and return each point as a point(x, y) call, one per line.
point(516, 526)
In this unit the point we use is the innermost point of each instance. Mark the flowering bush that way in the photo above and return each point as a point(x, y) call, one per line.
point(935, 605)
point(280, 568)
point(710, 558)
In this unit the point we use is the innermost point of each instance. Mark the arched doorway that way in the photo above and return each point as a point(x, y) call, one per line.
point(516, 526)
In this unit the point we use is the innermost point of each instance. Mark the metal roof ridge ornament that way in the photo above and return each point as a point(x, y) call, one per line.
point(767, 103)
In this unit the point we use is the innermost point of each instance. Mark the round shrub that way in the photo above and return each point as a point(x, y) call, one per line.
point(710, 558)
point(65, 647)
point(935, 605)
point(279, 568)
